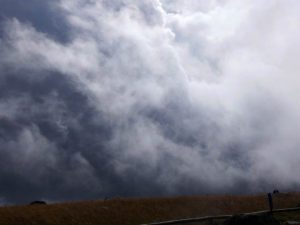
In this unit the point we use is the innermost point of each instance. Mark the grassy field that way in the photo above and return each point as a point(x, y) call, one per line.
point(138, 211)
point(288, 216)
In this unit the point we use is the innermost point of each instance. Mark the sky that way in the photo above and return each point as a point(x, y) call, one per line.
point(139, 98)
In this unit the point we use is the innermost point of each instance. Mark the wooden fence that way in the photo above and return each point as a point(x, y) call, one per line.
point(221, 217)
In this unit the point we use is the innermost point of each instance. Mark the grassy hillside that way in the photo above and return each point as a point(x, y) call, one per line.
point(138, 211)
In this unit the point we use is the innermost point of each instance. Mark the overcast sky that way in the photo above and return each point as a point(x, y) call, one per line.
point(106, 98)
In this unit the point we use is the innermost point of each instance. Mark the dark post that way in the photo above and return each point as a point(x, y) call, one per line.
point(270, 202)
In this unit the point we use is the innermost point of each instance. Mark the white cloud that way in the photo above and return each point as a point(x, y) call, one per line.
point(201, 91)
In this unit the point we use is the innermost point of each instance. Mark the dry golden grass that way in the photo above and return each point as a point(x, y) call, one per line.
point(138, 211)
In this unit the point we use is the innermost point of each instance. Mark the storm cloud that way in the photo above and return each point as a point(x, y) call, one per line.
point(105, 98)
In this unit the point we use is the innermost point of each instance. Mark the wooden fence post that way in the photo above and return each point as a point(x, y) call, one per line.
point(270, 200)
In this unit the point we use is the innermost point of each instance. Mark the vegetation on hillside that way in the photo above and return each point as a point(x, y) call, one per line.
point(139, 211)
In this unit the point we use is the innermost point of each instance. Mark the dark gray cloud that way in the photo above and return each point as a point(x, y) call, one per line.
point(44, 16)
point(146, 98)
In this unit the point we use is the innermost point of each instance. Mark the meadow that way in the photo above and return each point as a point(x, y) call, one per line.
point(132, 211)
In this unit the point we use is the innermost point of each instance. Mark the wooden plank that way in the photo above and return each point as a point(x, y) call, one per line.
point(191, 220)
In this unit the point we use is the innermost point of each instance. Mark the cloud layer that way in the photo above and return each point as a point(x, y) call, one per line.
point(106, 98)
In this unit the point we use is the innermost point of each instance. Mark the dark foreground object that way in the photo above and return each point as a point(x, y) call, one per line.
point(38, 203)
point(258, 219)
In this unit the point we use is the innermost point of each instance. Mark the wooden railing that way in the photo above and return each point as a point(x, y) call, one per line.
point(221, 217)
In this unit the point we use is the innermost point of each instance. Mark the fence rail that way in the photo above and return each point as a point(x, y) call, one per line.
point(208, 218)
